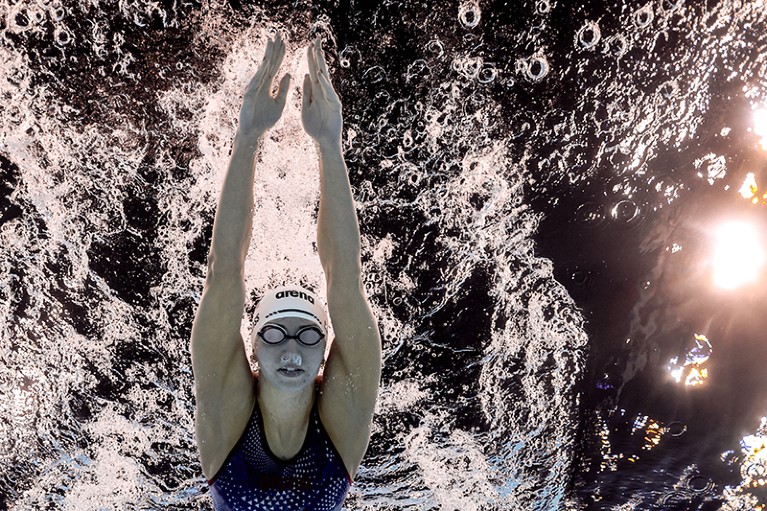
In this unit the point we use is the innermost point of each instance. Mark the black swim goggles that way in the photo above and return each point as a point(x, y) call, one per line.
point(275, 334)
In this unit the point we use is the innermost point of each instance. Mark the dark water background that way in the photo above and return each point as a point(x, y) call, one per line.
point(537, 183)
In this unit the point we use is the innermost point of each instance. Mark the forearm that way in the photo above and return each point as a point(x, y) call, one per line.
point(338, 234)
point(233, 223)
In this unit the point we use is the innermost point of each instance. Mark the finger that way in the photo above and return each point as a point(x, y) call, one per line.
point(282, 92)
point(279, 55)
point(319, 84)
point(275, 61)
point(307, 93)
point(312, 63)
point(322, 64)
point(264, 68)
point(327, 89)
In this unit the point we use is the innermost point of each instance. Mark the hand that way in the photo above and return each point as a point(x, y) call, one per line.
point(321, 112)
point(259, 109)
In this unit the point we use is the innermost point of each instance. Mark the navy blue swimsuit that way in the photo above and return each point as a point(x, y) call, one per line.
point(252, 478)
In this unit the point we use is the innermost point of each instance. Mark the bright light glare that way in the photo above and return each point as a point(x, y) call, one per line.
point(760, 126)
point(749, 187)
point(739, 255)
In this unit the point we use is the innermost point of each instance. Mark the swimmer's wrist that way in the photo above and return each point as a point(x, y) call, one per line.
point(249, 141)
point(330, 146)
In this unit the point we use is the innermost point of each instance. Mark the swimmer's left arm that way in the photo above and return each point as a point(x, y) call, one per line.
point(353, 369)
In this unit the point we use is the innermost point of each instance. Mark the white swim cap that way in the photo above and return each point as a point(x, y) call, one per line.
point(290, 302)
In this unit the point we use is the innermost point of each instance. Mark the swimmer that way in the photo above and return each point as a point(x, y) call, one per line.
point(283, 438)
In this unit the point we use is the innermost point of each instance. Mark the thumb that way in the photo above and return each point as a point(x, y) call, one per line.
point(307, 92)
point(282, 93)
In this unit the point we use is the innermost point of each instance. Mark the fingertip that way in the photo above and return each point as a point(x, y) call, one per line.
point(307, 90)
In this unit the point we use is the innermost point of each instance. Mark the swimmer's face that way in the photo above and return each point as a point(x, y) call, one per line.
point(289, 364)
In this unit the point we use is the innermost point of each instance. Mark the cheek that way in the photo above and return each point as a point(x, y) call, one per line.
point(318, 357)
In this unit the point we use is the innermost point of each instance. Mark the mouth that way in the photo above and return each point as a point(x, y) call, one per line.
point(291, 372)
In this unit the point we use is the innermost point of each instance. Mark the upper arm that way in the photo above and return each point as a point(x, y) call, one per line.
point(352, 372)
point(222, 378)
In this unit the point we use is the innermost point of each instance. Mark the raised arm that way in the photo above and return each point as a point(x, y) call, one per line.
point(353, 368)
point(223, 381)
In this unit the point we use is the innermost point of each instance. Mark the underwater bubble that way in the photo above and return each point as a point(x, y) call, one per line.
point(729, 457)
point(16, 75)
point(619, 161)
point(383, 95)
point(580, 277)
point(472, 104)
point(668, 89)
point(543, 7)
point(536, 68)
point(469, 14)
point(35, 15)
point(671, 5)
point(57, 12)
point(520, 126)
point(18, 21)
point(755, 470)
point(626, 212)
point(375, 74)
point(589, 214)
point(487, 74)
point(435, 47)
point(589, 35)
point(616, 45)
point(417, 69)
point(711, 167)
point(673, 498)
point(701, 352)
point(62, 36)
point(349, 56)
point(699, 484)
point(467, 67)
point(643, 16)
point(676, 428)
point(407, 139)
point(14, 115)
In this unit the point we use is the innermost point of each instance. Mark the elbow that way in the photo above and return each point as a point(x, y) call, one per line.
point(223, 267)
point(346, 275)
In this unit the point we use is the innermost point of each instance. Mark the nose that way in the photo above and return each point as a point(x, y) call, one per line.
point(291, 357)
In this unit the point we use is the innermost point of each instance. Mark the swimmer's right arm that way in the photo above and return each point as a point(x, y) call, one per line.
point(223, 381)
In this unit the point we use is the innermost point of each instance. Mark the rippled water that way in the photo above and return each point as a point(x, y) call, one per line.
point(536, 185)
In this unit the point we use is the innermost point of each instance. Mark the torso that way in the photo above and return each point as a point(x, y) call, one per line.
point(253, 477)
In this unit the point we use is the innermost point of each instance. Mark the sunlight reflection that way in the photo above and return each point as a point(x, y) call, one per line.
point(738, 255)
point(753, 472)
point(754, 467)
point(692, 370)
point(750, 190)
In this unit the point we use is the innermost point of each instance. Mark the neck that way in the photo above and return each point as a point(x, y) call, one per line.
point(288, 409)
